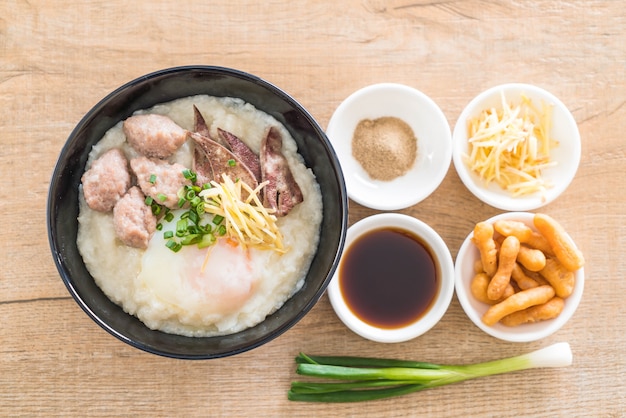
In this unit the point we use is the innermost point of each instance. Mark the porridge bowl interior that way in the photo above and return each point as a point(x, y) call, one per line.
point(211, 86)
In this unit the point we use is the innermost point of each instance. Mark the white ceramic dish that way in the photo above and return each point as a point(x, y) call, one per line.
point(567, 154)
point(443, 298)
point(434, 146)
point(464, 272)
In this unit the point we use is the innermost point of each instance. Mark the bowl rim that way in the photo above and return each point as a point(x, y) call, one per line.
point(435, 175)
point(57, 249)
point(499, 199)
point(443, 297)
point(525, 332)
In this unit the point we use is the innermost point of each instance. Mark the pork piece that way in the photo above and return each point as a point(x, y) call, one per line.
point(106, 181)
point(133, 220)
point(241, 150)
point(282, 192)
point(159, 179)
point(155, 136)
point(211, 160)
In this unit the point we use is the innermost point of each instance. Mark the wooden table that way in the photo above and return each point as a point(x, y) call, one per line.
point(57, 59)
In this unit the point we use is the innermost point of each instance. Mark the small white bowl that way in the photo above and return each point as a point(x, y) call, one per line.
point(434, 144)
point(566, 154)
point(442, 257)
point(466, 258)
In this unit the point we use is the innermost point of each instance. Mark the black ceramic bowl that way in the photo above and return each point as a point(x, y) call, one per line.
point(163, 86)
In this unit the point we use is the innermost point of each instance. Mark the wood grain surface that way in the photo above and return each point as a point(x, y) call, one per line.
point(59, 58)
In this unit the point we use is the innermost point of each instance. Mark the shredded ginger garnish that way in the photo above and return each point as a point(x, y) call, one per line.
point(511, 146)
point(246, 220)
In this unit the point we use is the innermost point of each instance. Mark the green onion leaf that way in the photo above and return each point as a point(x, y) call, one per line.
point(193, 217)
point(168, 234)
point(217, 219)
point(148, 200)
point(357, 379)
point(181, 227)
point(153, 178)
point(173, 245)
point(206, 241)
point(189, 175)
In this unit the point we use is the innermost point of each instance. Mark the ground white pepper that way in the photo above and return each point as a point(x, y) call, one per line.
point(385, 147)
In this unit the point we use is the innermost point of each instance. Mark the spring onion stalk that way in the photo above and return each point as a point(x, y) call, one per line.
point(356, 379)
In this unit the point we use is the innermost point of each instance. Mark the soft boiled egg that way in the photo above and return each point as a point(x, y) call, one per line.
point(217, 280)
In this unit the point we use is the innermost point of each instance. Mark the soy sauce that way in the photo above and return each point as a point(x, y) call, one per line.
point(389, 278)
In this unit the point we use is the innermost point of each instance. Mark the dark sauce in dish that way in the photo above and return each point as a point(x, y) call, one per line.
point(389, 278)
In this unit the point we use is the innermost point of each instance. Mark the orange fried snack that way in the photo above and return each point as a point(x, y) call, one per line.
point(478, 287)
point(522, 279)
point(562, 245)
point(549, 310)
point(506, 262)
point(524, 234)
point(483, 239)
point(517, 302)
point(531, 258)
point(560, 278)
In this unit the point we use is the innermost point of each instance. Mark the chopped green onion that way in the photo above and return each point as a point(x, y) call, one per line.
point(173, 245)
point(217, 219)
point(189, 228)
point(148, 200)
point(364, 379)
point(206, 241)
point(193, 217)
point(221, 230)
point(162, 197)
point(190, 239)
point(181, 227)
point(200, 209)
point(195, 201)
point(232, 163)
point(159, 226)
point(156, 209)
point(189, 175)
point(153, 178)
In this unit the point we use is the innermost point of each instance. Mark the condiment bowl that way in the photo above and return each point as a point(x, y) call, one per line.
point(443, 265)
point(466, 260)
point(429, 125)
point(163, 86)
point(566, 155)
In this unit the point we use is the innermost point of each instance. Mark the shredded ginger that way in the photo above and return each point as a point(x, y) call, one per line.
point(511, 146)
point(246, 220)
